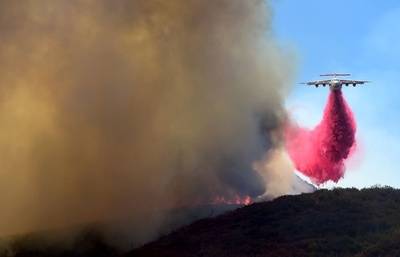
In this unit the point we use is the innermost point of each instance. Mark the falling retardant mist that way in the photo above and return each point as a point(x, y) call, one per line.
point(320, 153)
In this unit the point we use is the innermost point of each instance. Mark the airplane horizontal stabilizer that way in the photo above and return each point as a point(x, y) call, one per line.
point(335, 74)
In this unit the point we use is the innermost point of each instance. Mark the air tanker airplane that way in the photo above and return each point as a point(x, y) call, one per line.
point(335, 83)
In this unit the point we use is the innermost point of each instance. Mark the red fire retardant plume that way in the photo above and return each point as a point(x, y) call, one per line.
point(320, 153)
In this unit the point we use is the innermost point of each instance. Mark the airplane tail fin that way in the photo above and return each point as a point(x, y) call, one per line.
point(335, 74)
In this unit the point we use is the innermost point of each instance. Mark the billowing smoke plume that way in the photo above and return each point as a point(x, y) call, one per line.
point(320, 153)
point(113, 108)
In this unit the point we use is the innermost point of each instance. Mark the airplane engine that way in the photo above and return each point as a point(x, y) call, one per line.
point(347, 84)
point(354, 84)
point(316, 85)
point(324, 84)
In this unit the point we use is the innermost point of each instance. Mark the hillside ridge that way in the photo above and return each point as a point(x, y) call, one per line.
point(337, 222)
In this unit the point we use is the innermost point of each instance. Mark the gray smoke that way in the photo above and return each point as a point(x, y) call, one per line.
point(112, 109)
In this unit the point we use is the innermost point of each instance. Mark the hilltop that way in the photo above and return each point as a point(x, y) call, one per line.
point(338, 222)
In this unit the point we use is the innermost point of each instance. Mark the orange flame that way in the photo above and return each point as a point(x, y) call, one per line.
point(236, 200)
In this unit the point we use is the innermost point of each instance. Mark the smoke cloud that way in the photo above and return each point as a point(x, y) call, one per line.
point(320, 153)
point(115, 108)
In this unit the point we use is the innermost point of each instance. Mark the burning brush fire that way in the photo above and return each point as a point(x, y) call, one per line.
point(235, 200)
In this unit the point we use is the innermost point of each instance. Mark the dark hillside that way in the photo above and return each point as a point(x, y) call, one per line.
point(339, 222)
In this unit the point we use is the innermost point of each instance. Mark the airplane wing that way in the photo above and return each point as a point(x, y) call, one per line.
point(317, 82)
point(353, 82)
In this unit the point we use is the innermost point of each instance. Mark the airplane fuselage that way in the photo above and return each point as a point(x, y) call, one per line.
point(335, 84)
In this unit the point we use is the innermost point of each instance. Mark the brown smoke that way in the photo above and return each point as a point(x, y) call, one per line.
point(111, 108)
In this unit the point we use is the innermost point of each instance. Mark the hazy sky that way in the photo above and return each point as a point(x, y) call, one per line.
point(361, 38)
